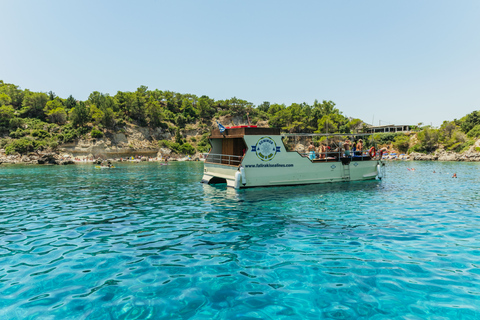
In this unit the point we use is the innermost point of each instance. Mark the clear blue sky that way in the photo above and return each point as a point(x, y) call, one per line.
point(401, 62)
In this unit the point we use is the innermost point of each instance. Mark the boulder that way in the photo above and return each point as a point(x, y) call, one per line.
point(47, 159)
point(163, 152)
point(423, 157)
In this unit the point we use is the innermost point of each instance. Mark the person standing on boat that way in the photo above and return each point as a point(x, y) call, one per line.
point(322, 150)
point(346, 146)
point(359, 151)
point(311, 150)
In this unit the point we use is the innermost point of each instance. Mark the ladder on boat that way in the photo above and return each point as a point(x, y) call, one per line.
point(346, 172)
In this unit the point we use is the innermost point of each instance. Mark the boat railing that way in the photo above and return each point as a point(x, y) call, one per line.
point(332, 155)
point(227, 159)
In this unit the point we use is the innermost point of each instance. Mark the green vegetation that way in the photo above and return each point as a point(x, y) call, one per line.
point(456, 135)
point(96, 133)
point(44, 120)
point(31, 121)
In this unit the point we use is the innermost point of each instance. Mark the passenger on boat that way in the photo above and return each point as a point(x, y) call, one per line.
point(346, 146)
point(311, 151)
point(359, 147)
point(322, 150)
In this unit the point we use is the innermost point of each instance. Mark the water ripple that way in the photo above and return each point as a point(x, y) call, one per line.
point(149, 241)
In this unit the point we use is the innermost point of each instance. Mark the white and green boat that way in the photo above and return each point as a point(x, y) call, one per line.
point(247, 156)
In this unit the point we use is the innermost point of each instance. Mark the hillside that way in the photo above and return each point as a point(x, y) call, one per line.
point(154, 122)
point(142, 122)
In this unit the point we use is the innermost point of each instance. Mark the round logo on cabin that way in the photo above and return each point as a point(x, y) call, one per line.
point(266, 149)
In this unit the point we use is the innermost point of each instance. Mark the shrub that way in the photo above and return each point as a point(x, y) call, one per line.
point(187, 148)
point(466, 145)
point(18, 133)
point(3, 142)
point(386, 138)
point(16, 122)
point(40, 134)
point(68, 136)
point(475, 132)
point(176, 147)
point(96, 133)
point(415, 148)
point(22, 145)
point(35, 123)
point(401, 143)
point(203, 145)
point(53, 144)
point(428, 140)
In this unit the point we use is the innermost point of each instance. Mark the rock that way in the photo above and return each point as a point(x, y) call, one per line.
point(47, 159)
point(423, 157)
point(163, 152)
point(447, 155)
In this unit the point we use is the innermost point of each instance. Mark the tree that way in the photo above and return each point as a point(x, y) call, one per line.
point(178, 137)
point(154, 112)
point(108, 119)
point(79, 115)
point(428, 139)
point(205, 109)
point(470, 121)
point(51, 95)
point(188, 111)
point(97, 99)
point(264, 106)
point(125, 102)
point(95, 114)
point(327, 124)
point(6, 114)
point(5, 99)
point(70, 102)
point(16, 95)
point(274, 108)
point(33, 105)
point(402, 143)
point(58, 115)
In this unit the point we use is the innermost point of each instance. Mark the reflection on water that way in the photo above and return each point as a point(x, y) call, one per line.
point(146, 240)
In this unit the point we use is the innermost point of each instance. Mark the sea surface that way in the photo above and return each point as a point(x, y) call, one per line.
point(148, 241)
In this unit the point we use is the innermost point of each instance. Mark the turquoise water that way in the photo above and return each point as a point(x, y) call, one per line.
point(149, 241)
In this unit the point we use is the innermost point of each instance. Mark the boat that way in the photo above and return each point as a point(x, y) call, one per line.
point(104, 167)
point(249, 156)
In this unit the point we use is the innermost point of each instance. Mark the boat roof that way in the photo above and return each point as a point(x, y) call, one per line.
point(327, 134)
point(240, 131)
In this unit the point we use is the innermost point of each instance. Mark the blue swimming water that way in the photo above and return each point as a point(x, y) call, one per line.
point(149, 241)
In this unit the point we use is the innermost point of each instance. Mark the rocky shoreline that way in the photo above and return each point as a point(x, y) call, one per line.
point(140, 143)
point(58, 159)
point(62, 158)
point(442, 155)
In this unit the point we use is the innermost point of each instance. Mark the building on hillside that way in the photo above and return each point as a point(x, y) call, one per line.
point(390, 128)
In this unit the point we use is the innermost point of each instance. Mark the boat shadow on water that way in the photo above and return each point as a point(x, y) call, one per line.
point(289, 192)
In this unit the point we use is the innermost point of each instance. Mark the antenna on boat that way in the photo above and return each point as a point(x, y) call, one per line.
point(248, 119)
